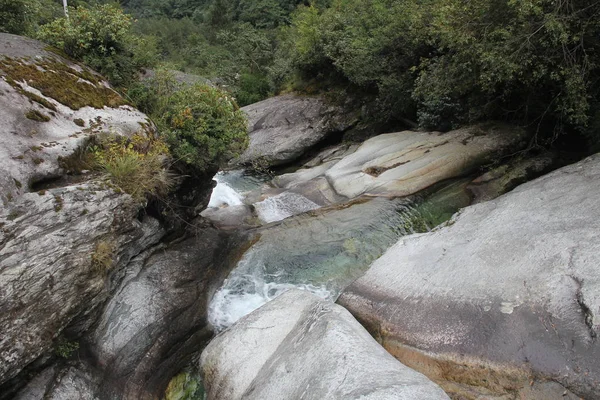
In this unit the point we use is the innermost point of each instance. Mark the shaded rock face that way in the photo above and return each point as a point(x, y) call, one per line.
point(148, 331)
point(506, 295)
point(39, 122)
point(401, 163)
point(56, 251)
point(299, 346)
point(283, 128)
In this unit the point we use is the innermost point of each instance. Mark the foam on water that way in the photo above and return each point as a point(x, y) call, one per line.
point(224, 195)
point(243, 293)
point(282, 206)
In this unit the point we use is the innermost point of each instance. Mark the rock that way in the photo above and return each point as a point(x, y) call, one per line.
point(71, 382)
point(403, 163)
point(283, 128)
point(231, 217)
point(299, 346)
point(506, 177)
point(505, 295)
point(56, 250)
point(48, 107)
point(399, 164)
point(148, 331)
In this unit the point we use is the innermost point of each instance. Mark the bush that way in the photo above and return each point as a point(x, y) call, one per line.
point(451, 62)
point(251, 88)
point(100, 36)
point(21, 17)
point(134, 165)
point(202, 125)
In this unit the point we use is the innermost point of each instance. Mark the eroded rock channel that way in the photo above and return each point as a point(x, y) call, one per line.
point(407, 266)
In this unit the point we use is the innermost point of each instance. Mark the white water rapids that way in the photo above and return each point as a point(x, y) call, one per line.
point(248, 286)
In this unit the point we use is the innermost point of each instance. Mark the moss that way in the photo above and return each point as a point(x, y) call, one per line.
point(38, 161)
point(102, 257)
point(14, 214)
point(38, 99)
point(18, 183)
point(41, 192)
point(58, 203)
point(79, 122)
point(185, 386)
point(60, 82)
point(65, 348)
point(36, 148)
point(35, 115)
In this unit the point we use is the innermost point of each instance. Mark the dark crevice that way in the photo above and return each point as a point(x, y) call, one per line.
point(587, 312)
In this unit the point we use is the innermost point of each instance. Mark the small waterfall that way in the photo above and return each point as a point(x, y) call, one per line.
point(223, 194)
point(247, 289)
point(320, 253)
point(282, 206)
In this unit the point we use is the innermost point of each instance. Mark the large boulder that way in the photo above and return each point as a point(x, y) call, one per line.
point(48, 106)
point(156, 321)
point(402, 163)
point(299, 346)
point(58, 248)
point(283, 128)
point(64, 243)
point(504, 299)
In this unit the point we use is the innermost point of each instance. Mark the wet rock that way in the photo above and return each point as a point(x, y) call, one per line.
point(232, 217)
point(506, 177)
point(505, 295)
point(299, 346)
point(283, 128)
point(73, 381)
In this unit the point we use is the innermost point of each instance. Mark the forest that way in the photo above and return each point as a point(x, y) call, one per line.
point(437, 64)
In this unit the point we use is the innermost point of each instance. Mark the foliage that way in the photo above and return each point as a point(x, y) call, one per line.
point(65, 348)
point(101, 37)
point(201, 124)
point(22, 17)
point(451, 62)
point(134, 165)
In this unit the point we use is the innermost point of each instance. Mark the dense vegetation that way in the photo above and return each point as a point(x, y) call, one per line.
point(440, 63)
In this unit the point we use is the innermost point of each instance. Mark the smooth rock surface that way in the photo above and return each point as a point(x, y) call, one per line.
point(400, 164)
point(283, 128)
point(299, 346)
point(149, 329)
point(505, 295)
point(403, 163)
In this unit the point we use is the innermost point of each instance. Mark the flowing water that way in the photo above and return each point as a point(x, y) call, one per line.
point(323, 251)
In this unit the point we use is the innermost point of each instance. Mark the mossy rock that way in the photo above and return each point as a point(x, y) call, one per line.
point(71, 86)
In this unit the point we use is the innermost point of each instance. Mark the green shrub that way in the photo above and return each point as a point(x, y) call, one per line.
point(451, 62)
point(202, 125)
point(101, 37)
point(21, 17)
point(251, 88)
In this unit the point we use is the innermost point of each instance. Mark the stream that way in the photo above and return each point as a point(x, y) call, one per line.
point(320, 250)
